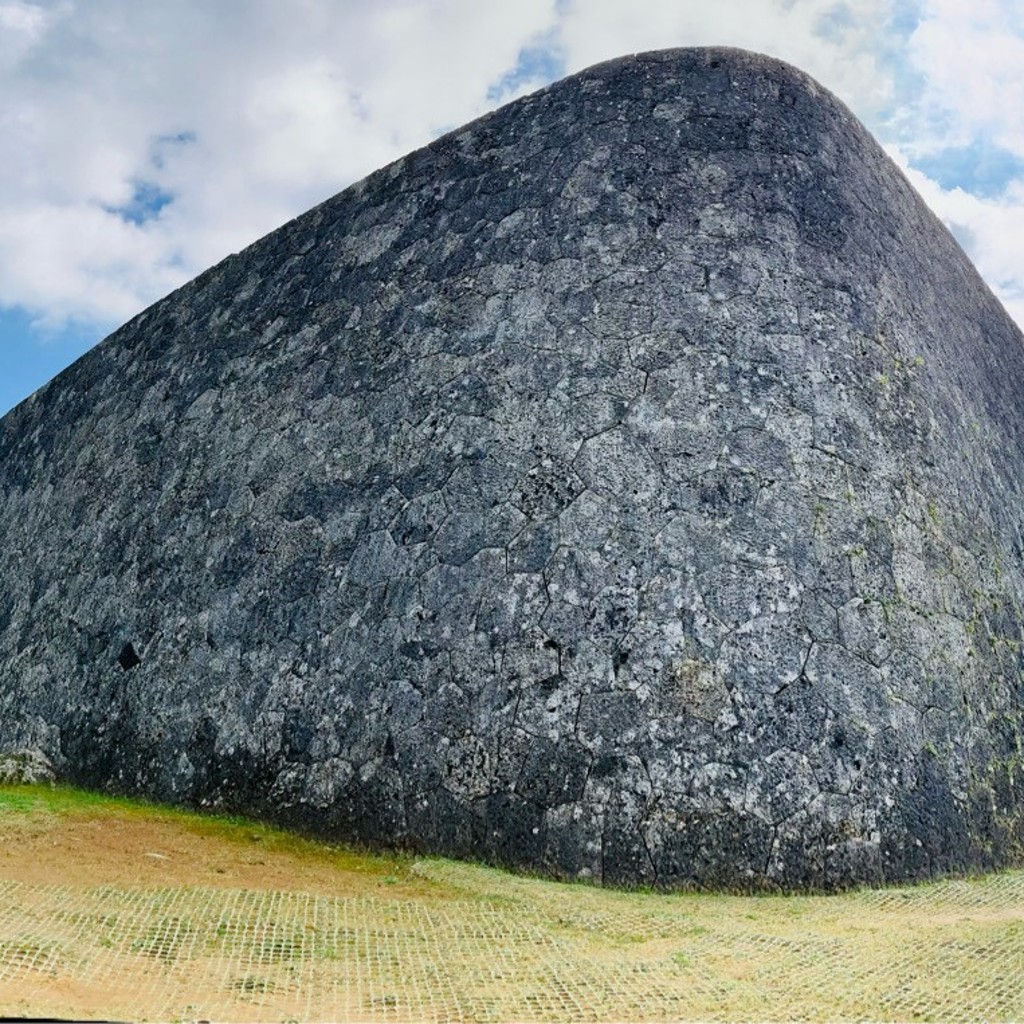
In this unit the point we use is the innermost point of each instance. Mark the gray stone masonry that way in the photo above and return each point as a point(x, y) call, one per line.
point(626, 486)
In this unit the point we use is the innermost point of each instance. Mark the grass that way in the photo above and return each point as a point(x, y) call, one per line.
point(433, 938)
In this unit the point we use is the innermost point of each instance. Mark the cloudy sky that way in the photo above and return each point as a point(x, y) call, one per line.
point(143, 140)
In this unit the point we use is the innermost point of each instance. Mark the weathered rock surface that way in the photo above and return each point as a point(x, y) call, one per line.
point(627, 485)
point(19, 767)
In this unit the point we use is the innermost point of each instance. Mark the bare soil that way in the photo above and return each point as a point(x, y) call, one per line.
point(111, 845)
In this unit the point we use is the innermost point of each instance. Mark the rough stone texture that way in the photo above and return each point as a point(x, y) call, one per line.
point(25, 766)
point(625, 486)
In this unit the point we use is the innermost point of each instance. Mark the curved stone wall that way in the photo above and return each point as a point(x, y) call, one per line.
point(624, 486)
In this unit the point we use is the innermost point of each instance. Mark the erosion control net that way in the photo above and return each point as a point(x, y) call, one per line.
point(496, 947)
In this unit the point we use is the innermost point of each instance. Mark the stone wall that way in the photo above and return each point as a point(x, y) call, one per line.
point(625, 486)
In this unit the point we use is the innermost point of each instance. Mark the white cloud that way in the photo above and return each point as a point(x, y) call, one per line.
point(989, 229)
point(971, 60)
point(968, 61)
point(22, 25)
point(243, 113)
point(838, 45)
point(283, 103)
point(102, 265)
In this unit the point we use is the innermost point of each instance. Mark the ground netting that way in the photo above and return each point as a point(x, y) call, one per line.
point(485, 946)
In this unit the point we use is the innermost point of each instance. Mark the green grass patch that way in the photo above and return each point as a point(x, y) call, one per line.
point(46, 798)
point(13, 801)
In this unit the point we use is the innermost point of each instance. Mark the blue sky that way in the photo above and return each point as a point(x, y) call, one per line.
point(145, 141)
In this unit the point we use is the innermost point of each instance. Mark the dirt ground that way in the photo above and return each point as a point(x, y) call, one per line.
point(105, 845)
point(112, 911)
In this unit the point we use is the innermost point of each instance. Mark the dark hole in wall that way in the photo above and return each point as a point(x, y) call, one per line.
point(128, 658)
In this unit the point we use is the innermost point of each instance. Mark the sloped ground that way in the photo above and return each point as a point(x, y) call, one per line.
point(119, 911)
